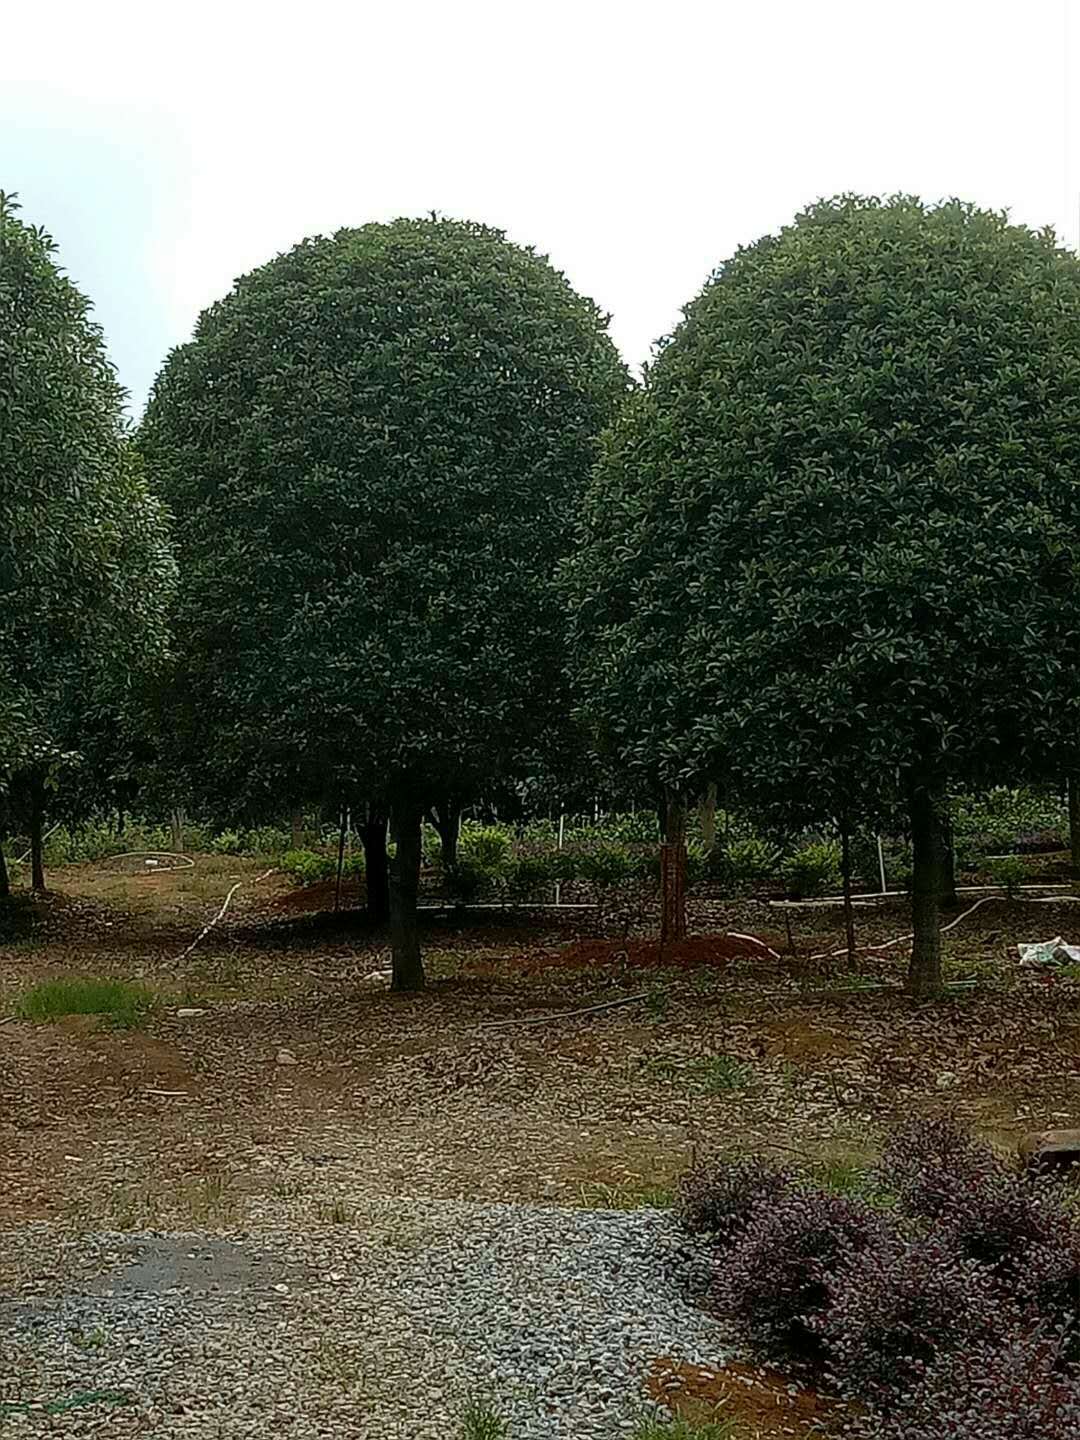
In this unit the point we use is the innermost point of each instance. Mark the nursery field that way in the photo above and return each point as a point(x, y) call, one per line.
point(265, 1089)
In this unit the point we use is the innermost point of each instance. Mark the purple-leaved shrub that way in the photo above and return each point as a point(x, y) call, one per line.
point(774, 1280)
point(718, 1196)
point(927, 1162)
point(896, 1308)
point(1018, 1389)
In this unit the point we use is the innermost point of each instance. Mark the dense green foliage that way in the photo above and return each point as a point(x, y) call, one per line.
point(85, 564)
point(830, 552)
point(376, 443)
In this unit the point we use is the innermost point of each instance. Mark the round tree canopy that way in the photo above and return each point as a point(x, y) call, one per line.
point(834, 543)
point(374, 446)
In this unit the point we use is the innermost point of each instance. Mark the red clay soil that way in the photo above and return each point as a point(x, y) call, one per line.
point(764, 1402)
point(320, 896)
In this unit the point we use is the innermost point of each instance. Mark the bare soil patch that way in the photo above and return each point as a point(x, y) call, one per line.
point(198, 1118)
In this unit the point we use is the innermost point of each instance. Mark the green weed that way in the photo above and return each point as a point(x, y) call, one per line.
point(657, 1003)
point(721, 1074)
point(707, 1074)
point(208, 1199)
point(482, 1420)
point(94, 1339)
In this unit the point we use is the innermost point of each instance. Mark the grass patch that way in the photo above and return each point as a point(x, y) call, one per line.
point(720, 1074)
point(854, 1180)
point(121, 1002)
point(209, 1198)
point(481, 1419)
point(630, 1195)
point(707, 1074)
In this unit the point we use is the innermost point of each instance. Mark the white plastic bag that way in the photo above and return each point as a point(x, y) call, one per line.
point(1049, 952)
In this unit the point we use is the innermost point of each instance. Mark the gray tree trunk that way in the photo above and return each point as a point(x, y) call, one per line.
point(5, 882)
point(1074, 823)
point(924, 975)
point(407, 964)
point(296, 829)
point(849, 909)
point(37, 829)
point(176, 820)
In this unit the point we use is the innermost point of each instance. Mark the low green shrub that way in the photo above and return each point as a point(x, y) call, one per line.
point(1001, 819)
point(608, 864)
point(267, 841)
point(752, 860)
point(1008, 871)
point(466, 880)
point(307, 867)
point(813, 870)
point(228, 842)
point(528, 874)
point(486, 846)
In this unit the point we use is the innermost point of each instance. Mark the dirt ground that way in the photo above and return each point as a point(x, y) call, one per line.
point(300, 1085)
point(301, 1078)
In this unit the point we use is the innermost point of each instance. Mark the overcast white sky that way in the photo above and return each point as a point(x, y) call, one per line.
point(170, 148)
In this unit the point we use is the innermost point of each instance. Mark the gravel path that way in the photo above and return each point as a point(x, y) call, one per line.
point(378, 1328)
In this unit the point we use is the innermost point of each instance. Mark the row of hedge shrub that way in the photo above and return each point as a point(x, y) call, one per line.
point(949, 1311)
point(498, 859)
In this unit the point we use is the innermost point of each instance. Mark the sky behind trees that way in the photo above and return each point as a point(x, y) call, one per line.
point(171, 149)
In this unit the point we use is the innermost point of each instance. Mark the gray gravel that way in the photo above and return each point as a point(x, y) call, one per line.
point(379, 1328)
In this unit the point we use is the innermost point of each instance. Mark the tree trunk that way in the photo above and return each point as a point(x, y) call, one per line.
point(707, 818)
point(447, 821)
point(340, 862)
point(37, 827)
point(177, 822)
point(376, 869)
point(673, 873)
point(408, 967)
point(849, 909)
point(949, 898)
point(924, 976)
point(1074, 822)
point(5, 883)
point(296, 829)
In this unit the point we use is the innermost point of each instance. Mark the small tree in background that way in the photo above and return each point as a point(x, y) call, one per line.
point(86, 570)
point(375, 444)
point(831, 549)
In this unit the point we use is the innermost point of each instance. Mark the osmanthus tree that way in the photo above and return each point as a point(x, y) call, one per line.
point(85, 562)
point(373, 447)
point(832, 550)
